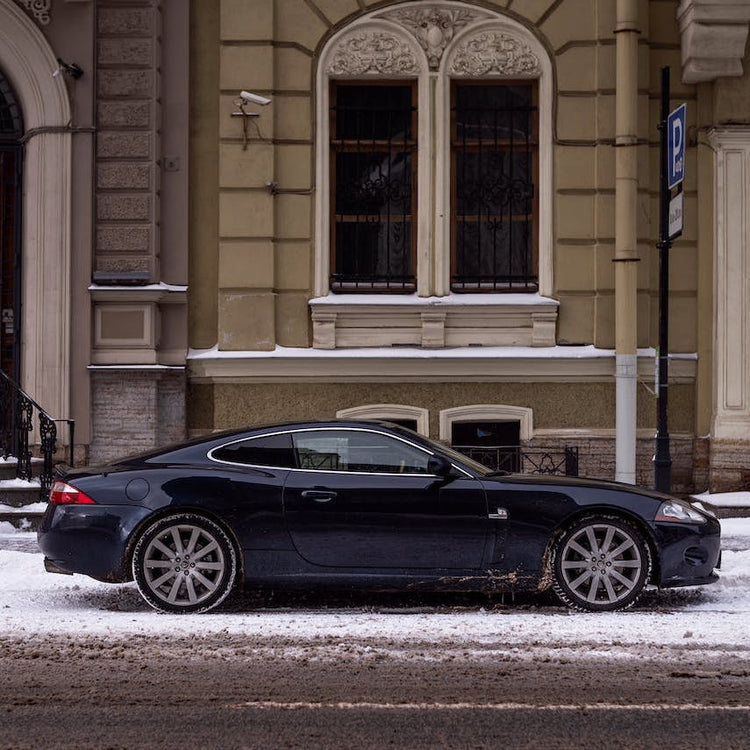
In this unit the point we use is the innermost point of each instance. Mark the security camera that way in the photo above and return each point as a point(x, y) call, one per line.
point(254, 98)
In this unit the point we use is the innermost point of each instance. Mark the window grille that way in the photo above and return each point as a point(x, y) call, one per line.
point(494, 201)
point(373, 186)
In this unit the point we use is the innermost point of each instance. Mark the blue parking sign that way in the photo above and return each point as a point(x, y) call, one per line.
point(676, 146)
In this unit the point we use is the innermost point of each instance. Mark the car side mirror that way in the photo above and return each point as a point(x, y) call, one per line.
point(439, 465)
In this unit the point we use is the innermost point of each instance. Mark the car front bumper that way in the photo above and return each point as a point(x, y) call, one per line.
point(690, 554)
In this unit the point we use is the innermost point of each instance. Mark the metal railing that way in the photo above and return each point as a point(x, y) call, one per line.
point(526, 460)
point(17, 412)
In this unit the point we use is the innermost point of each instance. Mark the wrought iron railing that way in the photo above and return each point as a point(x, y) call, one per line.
point(526, 460)
point(17, 411)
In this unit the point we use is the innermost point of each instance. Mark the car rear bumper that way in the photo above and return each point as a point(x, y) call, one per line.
point(89, 539)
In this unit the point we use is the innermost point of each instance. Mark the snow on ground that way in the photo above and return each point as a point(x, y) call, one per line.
point(34, 603)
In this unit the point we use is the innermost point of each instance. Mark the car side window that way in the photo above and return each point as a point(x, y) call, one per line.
point(269, 450)
point(358, 451)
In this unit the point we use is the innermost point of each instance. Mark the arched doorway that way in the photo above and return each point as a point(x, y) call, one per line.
point(11, 162)
point(27, 61)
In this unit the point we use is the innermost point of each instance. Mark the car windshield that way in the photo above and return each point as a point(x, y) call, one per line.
point(453, 455)
point(463, 459)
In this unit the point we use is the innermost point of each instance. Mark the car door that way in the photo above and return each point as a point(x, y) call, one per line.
point(364, 498)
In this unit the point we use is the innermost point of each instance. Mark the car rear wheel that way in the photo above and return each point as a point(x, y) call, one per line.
point(600, 564)
point(184, 563)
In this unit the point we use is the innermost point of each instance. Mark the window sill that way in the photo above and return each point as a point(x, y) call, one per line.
point(345, 321)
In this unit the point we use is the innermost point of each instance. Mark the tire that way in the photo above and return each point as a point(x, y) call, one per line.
point(600, 564)
point(184, 563)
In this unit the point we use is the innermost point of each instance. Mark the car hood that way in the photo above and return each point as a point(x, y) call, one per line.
point(547, 480)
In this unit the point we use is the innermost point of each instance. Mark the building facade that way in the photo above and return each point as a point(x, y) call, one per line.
point(94, 210)
point(445, 215)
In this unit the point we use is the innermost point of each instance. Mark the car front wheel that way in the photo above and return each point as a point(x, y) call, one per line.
point(600, 564)
point(184, 563)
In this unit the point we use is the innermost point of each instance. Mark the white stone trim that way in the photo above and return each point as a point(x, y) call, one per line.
point(409, 365)
point(487, 412)
point(437, 50)
point(389, 411)
point(731, 417)
point(28, 61)
point(713, 36)
point(429, 323)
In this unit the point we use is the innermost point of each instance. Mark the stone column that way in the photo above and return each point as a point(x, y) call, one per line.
point(730, 424)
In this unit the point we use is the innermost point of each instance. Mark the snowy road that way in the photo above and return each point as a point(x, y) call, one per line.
point(88, 664)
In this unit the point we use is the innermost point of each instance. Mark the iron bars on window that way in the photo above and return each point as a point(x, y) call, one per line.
point(494, 201)
point(373, 186)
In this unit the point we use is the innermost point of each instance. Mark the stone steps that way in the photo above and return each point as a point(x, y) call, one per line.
point(19, 499)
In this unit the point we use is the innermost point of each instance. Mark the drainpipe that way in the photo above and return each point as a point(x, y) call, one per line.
point(626, 260)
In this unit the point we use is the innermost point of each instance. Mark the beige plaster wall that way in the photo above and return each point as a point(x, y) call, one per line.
point(204, 180)
point(555, 405)
point(265, 183)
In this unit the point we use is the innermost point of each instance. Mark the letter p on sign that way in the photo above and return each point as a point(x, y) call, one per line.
point(676, 146)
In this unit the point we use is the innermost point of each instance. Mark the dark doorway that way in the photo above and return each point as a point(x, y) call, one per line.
point(11, 130)
point(494, 444)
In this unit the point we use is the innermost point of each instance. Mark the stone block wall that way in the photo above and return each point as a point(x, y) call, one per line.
point(126, 181)
point(134, 411)
point(596, 459)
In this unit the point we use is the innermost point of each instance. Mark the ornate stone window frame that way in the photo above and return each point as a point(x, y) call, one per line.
point(487, 413)
point(432, 43)
point(389, 411)
point(28, 62)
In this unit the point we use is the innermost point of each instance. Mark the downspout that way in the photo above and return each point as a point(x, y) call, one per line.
point(627, 32)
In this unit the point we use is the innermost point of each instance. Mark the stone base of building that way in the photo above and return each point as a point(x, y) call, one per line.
point(135, 410)
point(728, 465)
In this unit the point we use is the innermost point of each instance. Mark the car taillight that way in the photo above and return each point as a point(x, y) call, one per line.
point(63, 493)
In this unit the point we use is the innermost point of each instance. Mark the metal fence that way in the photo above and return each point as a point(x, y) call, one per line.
point(526, 460)
point(18, 413)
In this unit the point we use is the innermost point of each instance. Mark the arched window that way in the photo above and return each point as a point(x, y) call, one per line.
point(487, 413)
point(434, 180)
point(413, 417)
point(489, 433)
point(434, 154)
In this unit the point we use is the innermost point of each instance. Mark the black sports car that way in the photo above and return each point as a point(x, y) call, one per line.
point(364, 504)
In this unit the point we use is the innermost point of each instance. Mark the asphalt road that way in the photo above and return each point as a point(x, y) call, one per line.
point(253, 691)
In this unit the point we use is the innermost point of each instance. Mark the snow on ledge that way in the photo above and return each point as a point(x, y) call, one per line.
point(414, 352)
point(448, 300)
point(19, 484)
point(726, 499)
point(159, 287)
point(23, 510)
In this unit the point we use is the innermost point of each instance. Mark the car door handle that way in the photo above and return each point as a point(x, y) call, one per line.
point(501, 515)
point(320, 496)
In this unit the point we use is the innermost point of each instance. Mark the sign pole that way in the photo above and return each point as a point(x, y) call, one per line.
point(662, 457)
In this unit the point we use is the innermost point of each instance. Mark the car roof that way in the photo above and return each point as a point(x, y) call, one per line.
point(221, 436)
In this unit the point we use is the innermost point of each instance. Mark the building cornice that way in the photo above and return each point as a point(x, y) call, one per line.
point(408, 365)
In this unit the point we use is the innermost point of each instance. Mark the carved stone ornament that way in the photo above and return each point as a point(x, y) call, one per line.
point(38, 8)
point(494, 52)
point(433, 27)
point(373, 52)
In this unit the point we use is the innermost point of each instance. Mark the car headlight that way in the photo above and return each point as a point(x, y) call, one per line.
point(677, 512)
